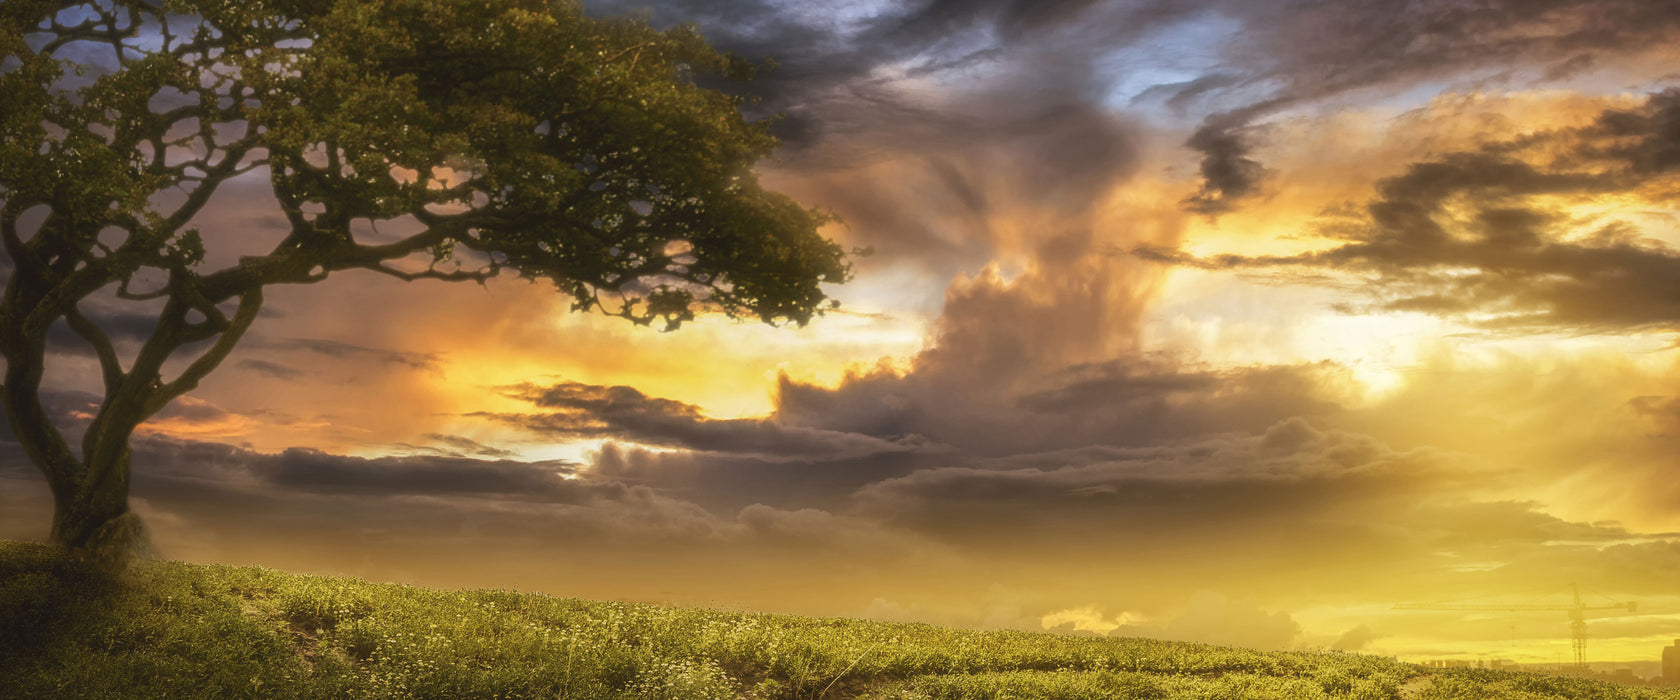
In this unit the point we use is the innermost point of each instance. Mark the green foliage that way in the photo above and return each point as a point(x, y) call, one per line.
point(174, 630)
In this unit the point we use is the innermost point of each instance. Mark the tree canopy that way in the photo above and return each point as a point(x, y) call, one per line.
point(517, 135)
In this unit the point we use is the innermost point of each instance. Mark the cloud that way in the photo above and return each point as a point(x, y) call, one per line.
point(124, 328)
point(1569, 68)
point(840, 535)
point(1012, 403)
point(1088, 619)
point(728, 481)
point(1355, 639)
point(272, 369)
point(464, 447)
point(196, 417)
point(1225, 480)
point(1214, 618)
point(1487, 237)
point(574, 410)
point(341, 351)
point(1296, 55)
point(1229, 174)
point(1663, 413)
point(1492, 523)
point(321, 472)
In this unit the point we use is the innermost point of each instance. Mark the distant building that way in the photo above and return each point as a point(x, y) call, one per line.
point(1671, 663)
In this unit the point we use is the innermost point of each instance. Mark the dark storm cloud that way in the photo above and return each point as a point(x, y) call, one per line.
point(1479, 235)
point(726, 482)
point(311, 470)
point(122, 327)
point(348, 351)
point(452, 446)
point(1213, 481)
point(1229, 174)
point(1159, 386)
point(169, 463)
point(272, 369)
point(1108, 412)
point(465, 446)
point(1131, 402)
point(575, 410)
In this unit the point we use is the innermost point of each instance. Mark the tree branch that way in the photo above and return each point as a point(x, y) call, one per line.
point(214, 176)
point(480, 276)
point(90, 332)
point(249, 305)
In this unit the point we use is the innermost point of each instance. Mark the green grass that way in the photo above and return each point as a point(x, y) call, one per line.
point(171, 630)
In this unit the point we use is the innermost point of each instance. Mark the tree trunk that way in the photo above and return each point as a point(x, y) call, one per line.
point(90, 500)
point(93, 520)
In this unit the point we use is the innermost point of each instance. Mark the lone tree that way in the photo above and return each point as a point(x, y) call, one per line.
point(502, 134)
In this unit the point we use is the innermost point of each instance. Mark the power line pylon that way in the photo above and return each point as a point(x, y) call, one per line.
point(1577, 617)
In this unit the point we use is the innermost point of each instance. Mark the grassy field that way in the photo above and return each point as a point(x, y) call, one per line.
point(170, 630)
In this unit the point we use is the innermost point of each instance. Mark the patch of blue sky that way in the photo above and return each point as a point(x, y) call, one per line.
point(1142, 73)
point(846, 15)
point(1387, 99)
point(77, 14)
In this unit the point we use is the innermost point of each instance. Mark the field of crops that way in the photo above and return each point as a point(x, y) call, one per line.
point(177, 630)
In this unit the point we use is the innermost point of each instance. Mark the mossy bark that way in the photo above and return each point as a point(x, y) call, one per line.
point(91, 517)
point(95, 523)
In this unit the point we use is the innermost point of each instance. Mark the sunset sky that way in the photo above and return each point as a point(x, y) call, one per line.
point(1231, 321)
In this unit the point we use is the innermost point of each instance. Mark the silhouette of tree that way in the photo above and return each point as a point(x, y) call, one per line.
point(513, 135)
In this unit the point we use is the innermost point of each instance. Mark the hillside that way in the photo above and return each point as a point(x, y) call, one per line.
point(180, 630)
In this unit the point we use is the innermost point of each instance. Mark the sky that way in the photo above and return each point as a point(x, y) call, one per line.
point(1227, 321)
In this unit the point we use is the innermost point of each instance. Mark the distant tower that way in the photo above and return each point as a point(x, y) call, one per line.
point(1671, 663)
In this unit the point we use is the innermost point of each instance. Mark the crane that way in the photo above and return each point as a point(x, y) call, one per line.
point(1577, 616)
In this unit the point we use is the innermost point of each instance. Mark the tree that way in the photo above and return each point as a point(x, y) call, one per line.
point(513, 135)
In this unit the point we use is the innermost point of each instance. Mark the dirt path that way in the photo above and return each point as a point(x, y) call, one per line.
point(1415, 687)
